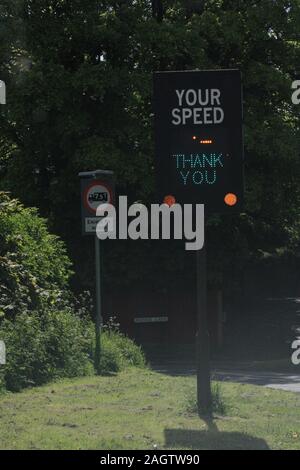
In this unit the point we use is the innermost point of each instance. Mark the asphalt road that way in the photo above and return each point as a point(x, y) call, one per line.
point(281, 381)
point(288, 381)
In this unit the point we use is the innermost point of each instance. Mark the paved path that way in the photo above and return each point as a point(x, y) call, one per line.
point(288, 381)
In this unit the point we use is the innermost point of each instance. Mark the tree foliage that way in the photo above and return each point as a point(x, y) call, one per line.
point(79, 83)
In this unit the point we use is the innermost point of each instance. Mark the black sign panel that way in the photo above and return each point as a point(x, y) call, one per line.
point(199, 138)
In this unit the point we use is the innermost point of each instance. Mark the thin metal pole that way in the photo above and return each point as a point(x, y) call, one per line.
point(98, 310)
point(202, 338)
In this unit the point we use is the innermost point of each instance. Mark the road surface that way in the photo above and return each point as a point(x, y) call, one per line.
point(288, 381)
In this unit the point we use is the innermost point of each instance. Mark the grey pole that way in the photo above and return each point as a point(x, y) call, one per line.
point(98, 309)
point(202, 338)
point(2, 92)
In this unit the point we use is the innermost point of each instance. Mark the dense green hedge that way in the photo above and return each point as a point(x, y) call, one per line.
point(48, 334)
point(119, 352)
point(60, 344)
point(39, 349)
point(34, 266)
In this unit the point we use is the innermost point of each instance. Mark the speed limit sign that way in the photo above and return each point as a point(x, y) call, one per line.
point(95, 194)
point(96, 188)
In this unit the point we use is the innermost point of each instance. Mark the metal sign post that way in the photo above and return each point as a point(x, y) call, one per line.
point(202, 337)
point(2, 344)
point(98, 315)
point(97, 187)
point(2, 353)
point(2, 92)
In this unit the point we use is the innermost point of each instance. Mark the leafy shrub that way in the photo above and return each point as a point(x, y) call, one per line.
point(34, 267)
point(118, 352)
point(41, 349)
point(69, 343)
point(110, 359)
point(48, 333)
point(57, 345)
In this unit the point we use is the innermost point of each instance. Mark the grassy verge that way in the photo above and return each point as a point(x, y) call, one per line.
point(141, 409)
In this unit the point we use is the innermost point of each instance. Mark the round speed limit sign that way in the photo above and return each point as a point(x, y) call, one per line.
point(95, 194)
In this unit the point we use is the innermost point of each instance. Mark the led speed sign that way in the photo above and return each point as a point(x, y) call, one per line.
point(199, 138)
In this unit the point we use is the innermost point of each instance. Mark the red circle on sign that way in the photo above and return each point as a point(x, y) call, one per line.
point(96, 183)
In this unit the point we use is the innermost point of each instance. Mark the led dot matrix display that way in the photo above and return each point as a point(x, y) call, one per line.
point(199, 138)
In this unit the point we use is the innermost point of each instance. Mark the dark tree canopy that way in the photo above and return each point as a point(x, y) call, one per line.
point(79, 85)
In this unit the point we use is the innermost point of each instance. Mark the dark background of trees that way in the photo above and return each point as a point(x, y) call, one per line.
point(79, 90)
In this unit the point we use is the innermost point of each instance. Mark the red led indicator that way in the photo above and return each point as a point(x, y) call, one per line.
point(203, 141)
point(230, 199)
point(169, 200)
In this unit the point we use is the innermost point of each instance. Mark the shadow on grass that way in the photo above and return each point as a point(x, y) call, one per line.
point(212, 439)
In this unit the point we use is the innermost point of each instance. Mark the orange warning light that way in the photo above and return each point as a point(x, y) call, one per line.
point(169, 200)
point(230, 199)
point(206, 142)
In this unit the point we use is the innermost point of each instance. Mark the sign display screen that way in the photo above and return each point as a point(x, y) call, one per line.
point(199, 139)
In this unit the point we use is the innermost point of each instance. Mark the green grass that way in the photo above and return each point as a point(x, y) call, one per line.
point(141, 409)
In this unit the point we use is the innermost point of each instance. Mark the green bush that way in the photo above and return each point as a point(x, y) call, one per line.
point(34, 267)
point(110, 359)
point(118, 352)
point(48, 334)
point(39, 349)
point(57, 345)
